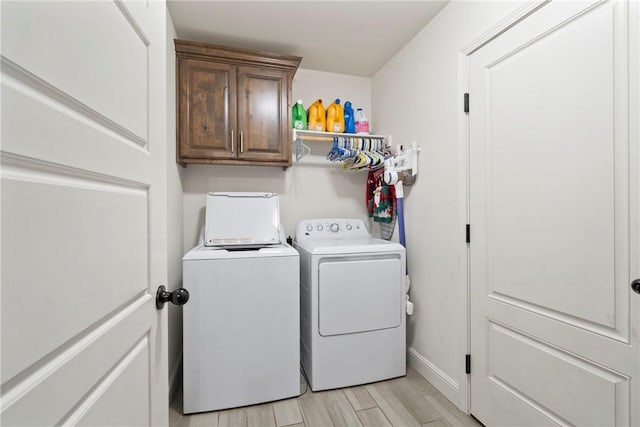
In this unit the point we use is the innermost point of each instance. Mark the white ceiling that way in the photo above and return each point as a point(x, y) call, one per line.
point(346, 37)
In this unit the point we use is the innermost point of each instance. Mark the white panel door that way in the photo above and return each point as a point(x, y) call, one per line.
point(83, 213)
point(554, 213)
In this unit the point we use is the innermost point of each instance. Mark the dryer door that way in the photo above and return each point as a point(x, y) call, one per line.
point(358, 294)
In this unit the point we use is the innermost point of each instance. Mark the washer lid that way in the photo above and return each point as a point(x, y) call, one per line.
point(203, 253)
point(242, 220)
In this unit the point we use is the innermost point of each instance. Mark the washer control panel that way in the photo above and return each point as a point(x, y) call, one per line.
point(331, 228)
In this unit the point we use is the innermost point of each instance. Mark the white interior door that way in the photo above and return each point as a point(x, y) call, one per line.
point(83, 213)
point(554, 213)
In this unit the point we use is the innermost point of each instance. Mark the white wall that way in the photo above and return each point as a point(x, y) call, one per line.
point(311, 188)
point(174, 215)
point(310, 85)
point(416, 97)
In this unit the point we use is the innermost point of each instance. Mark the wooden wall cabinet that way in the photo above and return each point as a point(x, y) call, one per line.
point(234, 105)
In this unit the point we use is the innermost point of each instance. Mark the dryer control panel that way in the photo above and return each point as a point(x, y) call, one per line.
point(331, 228)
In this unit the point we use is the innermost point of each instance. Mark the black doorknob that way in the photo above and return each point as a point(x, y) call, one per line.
point(178, 297)
point(635, 285)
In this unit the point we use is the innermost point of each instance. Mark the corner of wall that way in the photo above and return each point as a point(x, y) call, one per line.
point(175, 231)
point(415, 98)
point(436, 376)
point(175, 377)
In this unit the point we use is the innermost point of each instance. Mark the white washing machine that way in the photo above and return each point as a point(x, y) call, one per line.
point(241, 333)
point(352, 304)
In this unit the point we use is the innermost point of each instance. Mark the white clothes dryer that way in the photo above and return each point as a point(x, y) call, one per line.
point(241, 327)
point(352, 304)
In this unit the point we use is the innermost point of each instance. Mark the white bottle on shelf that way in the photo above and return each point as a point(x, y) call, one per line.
point(362, 124)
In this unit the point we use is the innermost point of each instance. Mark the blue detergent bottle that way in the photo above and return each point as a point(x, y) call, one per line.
point(349, 118)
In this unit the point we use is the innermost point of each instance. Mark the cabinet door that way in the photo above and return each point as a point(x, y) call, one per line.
point(206, 110)
point(263, 122)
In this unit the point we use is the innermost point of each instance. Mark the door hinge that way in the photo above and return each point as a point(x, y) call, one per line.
point(466, 102)
point(467, 363)
point(468, 233)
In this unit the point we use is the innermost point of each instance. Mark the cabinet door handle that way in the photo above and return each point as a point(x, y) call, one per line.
point(241, 143)
point(232, 140)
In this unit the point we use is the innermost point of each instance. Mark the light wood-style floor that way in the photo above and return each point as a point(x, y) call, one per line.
point(401, 402)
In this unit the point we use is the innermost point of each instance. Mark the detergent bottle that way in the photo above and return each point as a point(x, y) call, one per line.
point(349, 119)
point(362, 124)
point(335, 117)
point(316, 116)
point(299, 116)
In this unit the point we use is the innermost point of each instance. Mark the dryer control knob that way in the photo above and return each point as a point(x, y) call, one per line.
point(349, 227)
point(334, 227)
point(309, 227)
point(319, 227)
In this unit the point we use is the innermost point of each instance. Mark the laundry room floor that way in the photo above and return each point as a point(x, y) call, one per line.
point(401, 402)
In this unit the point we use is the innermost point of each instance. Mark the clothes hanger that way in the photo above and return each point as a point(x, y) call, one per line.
point(301, 148)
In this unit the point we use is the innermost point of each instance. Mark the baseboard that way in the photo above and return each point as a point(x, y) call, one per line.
point(175, 378)
point(441, 381)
